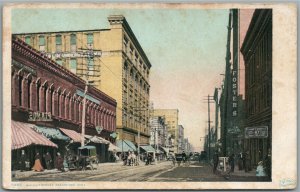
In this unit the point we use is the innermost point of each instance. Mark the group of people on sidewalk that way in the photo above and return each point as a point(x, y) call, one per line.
point(25, 164)
point(244, 163)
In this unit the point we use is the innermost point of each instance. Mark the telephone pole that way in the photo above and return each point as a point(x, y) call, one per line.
point(86, 73)
point(209, 99)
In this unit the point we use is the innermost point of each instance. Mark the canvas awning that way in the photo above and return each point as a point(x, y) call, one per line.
point(112, 147)
point(51, 133)
point(76, 137)
point(96, 139)
point(23, 135)
point(126, 145)
point(166, 150)
point(148, 148)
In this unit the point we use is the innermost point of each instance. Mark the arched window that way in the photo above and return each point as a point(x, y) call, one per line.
point(20, 90)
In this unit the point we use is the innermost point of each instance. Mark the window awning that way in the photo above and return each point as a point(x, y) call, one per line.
point(126, 145)
point(76, 137)
point(165, 149)
point(96, 139)
point(51, 133)
point(23, 135)
point(148, 148)
point(112, 147)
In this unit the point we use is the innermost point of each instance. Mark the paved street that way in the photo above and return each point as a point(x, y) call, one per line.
point(163, 171)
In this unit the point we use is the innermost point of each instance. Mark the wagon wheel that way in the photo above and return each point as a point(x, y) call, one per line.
point(92, 168)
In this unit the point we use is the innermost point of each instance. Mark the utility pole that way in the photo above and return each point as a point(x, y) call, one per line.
point(209, 99)
point(90, 69)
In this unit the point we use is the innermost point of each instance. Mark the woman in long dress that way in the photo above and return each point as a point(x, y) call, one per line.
point(37, 163)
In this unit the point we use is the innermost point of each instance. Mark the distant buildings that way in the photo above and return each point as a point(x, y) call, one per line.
point(114, 60)
point(158, 131)
point(180, 138)
point(171, 120)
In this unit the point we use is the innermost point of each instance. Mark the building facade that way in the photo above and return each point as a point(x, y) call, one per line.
point(45, 94)
point(257, 52)
point(114, 60)
point(158, 131)
point(180, 138)
point(171, 120)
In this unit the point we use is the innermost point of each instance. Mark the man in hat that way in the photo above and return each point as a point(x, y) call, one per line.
point(22, 162)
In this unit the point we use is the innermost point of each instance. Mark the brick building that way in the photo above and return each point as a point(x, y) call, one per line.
point(116, 62)
point(47, 95)
point(257, 52)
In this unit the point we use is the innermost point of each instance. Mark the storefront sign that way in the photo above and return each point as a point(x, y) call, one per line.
point(234, 94)
point(256, 132)
point(40, 116)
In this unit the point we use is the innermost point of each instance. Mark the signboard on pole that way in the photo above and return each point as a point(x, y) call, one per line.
point(256, 132)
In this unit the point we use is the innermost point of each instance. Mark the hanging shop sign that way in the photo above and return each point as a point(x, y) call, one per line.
point(99, 129)
point(40, 116)
point(256, 132)
point(234, 94)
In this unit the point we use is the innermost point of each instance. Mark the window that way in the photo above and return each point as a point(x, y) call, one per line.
point(58, 43)
point(90, 38)
point(73, 39)
point(58, 40)
point(73, 65)
point(59, 61)
point(90, 66)
point(28, 40)
point(42, 40)
point(42, 43)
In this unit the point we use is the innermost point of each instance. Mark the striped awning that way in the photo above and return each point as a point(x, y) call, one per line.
point(96, 139)
point(112, 147)
point(125, 145)
point(23, 135)
point(147, 148)
point(76, 137)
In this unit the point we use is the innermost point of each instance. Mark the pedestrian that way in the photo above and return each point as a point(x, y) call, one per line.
point(240, 161)
point(22, 162)
point(48, 160)
point(183, 156)
point(216, 161)
point(124, 158)
point(37, 163)
point(267, 164)
point(247, 161)
point(231, 162)
point(59, 163)
point(260, 172)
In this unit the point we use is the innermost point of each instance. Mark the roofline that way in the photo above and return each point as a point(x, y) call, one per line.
point(21, 43)
point(49, 32)
point(128, 29)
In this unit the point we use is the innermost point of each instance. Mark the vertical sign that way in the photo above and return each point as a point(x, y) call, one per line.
point(234, 94)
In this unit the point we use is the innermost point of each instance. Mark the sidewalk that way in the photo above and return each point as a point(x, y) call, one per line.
point(241, 175)
point(102, 167)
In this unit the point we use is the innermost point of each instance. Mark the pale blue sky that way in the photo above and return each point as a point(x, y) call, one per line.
point(186, 48)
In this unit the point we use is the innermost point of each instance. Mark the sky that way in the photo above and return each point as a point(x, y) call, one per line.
point(186, 48)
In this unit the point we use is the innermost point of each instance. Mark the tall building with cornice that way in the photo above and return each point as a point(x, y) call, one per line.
point(171, 121)
point(112, 58)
